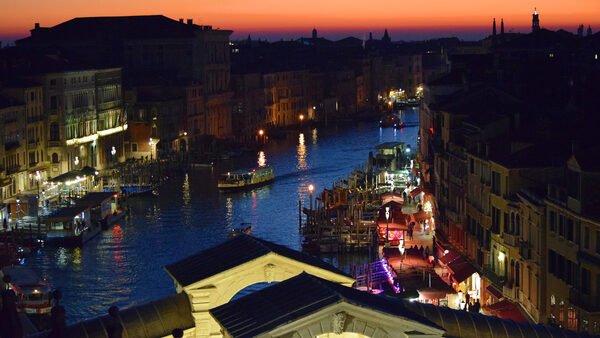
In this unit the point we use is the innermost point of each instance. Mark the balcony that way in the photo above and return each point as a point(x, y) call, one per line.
point(13, 169)
point(583, 301)
point(54, 143)
point(510, 239)
point(492, 276)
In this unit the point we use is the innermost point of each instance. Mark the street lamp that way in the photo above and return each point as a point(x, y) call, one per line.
point(387, 226)
point(151, 143)
point(76, 160)
point(310, 190)
point(113, 152)
point(402, 249)
point(37, 183)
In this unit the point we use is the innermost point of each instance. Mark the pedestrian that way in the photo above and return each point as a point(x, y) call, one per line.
point(476, 306)
point(467, 300)
point(113, 324)
point(177, 333)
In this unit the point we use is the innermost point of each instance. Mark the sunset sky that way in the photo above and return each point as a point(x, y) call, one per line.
point(274, 19)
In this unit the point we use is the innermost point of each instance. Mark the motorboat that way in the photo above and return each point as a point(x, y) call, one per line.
point(246, 179)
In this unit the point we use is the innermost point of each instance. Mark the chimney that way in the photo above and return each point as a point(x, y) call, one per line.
point(37, 25)
point(190, 21)
point(180, 20)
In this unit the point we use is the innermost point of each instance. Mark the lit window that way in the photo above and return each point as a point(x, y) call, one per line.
point(551, 55)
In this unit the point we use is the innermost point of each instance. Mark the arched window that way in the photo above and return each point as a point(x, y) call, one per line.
point(518, 226)
point(54, 158)
point(517, 274)
point(54, 132)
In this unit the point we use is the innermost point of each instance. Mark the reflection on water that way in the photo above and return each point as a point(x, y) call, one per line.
point(301, 153)
point(186, 190)
point(229, 213)
point(77, 256)
point(125, 266)
point(262, 159)
point(61, 257)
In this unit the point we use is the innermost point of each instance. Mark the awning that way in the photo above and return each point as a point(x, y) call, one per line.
point(507, 310)
point(391, 197)
point(495, 292)
point(461, 269)
point(449, 257)
point(415, 192)
point(431, 294)
point(421, 216)
point(88, 171)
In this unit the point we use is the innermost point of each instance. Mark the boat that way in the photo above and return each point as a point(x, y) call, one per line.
point(104, 207)
point(202, 165)
point(413, 101)
point(245, 228)
point(137, 189)
point(34, 295)
point(70, 227)
point(399, 125)
point(245, 179)
point(389, 121)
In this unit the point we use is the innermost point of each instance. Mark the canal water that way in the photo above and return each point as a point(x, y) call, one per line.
point(124, 266)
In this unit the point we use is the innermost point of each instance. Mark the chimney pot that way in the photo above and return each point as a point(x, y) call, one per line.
point(37, 25)
point(181, 20)
point(190, 21)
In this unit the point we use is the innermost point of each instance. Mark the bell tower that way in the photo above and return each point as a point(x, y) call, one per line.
point(535, 21)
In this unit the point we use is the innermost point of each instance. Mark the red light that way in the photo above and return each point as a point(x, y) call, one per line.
point(431, 130)
point(116, 196)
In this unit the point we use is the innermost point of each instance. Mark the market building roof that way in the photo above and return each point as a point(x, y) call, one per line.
point(296, 298)
point(236, 251)
point(469, 324)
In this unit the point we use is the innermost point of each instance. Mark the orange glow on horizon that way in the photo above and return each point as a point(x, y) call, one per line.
point(18, 17)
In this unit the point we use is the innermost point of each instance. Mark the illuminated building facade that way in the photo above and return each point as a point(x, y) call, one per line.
point(86, 119)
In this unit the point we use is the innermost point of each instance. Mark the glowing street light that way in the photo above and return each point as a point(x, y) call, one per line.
point(261, 132)
point(387, 226)
point(401, 247)
point(151, 143)
point(310, 190)
point(76, 160)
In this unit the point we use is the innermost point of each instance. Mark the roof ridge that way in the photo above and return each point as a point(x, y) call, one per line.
point(259, 241)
